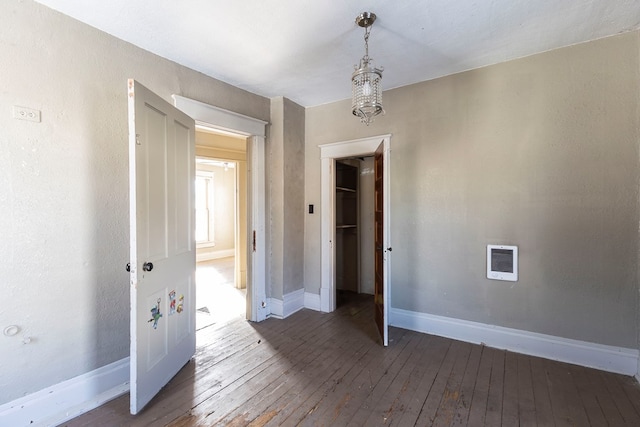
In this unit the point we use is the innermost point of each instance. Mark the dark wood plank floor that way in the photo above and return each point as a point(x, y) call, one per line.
point(315, 369)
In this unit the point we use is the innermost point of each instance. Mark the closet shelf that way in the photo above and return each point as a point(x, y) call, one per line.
point(348, 190)
point(347, 226)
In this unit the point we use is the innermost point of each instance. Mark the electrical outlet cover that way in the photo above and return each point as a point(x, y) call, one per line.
point(24, 113)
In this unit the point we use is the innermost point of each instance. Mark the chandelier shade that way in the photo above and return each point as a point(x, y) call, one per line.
point(366, 88)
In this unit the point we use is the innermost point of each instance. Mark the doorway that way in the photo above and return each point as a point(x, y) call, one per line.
point(329, 153)
point(220, 196)
point(254, 130)
point(354, 218)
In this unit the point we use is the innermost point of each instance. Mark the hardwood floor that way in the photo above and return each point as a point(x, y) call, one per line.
point(315, 369)
point(217, 298)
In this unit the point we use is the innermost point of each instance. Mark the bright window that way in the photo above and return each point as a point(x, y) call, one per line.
point(204, 209)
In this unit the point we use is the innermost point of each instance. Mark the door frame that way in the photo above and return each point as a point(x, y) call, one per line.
point(255, 132)
point(329, 153)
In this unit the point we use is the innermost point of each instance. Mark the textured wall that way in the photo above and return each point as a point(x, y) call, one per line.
point(294, 213)
point(540, 152)
point(286, 196)
point(64, 216)
point(275, 199)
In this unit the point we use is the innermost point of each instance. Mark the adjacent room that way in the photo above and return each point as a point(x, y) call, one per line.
point(228, 213)
point(220, 227)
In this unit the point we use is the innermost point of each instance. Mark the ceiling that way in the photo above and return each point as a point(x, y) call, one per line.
point(306, 50)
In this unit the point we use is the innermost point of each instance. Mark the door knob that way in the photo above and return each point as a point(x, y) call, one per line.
point(129, 266)
point(147, 266)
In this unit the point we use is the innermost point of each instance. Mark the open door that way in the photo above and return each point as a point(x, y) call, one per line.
point(379, 279)
point(162, 250)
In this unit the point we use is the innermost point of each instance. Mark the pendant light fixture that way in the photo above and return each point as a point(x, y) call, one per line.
point(365, 80)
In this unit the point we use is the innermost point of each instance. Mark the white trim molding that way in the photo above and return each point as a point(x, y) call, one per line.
point(607, 358)
point(230, 121)
point(328, 155)
point(290, 303)
point(255, 130)
point(276, 308)
point(208, 256)
point(312, 301)
point(68, 399)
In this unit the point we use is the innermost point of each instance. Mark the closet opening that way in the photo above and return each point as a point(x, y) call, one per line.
point(354, 220)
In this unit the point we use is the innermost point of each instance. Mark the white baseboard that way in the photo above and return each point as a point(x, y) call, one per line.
point(208, 256)
point(290, 303)
point(326, 297)
point(607, 358)
point(293, 302)
point(312, 301)
point(68, 399)
point(276, 308)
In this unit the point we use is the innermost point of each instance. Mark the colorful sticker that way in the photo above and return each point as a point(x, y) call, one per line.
point(180, 306)
point(155, 315)
point(172, 302)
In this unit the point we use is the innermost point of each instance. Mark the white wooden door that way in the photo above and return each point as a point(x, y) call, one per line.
point(162, 253)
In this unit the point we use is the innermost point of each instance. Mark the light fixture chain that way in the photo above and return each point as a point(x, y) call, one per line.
point(367, 31)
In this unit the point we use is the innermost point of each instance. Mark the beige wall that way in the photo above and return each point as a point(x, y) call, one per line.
point(540, 152)
point(285, 148)
point(64, 206)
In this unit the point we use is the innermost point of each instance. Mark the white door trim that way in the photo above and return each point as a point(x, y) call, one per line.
point(255, 131)
point(219, 118)
point(328, 155)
